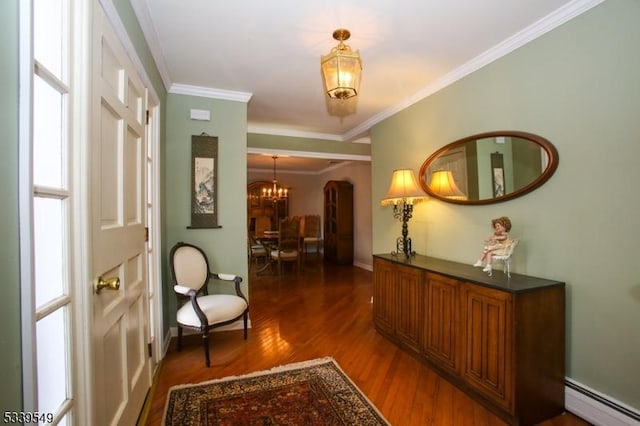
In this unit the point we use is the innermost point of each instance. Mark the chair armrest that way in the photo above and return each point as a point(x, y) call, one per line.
point(184, 290)
point(230, 277)
point(192, 294)
point(226, 277)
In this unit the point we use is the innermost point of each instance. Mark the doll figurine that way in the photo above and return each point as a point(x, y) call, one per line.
point(496, 244)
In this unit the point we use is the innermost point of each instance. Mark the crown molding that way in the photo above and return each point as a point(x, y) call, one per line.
point(533, 31)
point(207, 92)
point(141, 10)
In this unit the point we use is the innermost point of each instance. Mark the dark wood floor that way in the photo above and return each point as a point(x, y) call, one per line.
point(326, 311)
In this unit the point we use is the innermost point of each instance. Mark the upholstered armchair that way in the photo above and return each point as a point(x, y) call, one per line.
point(198, 310)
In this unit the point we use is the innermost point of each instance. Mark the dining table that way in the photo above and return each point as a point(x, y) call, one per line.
point(268, 240)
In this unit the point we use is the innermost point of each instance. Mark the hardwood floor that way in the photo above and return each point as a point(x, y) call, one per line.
point(326, 311)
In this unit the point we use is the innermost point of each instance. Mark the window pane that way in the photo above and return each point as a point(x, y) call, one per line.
point(47, 135)
point(47, 34)
point(49, 248)
point(52, 361)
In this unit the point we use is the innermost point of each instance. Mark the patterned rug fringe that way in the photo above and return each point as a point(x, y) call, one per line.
point(276, 369)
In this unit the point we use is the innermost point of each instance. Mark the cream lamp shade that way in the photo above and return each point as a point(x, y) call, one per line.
point(404, 188)
point(442, 184)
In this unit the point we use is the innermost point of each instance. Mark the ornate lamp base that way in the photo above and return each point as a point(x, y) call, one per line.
point(403, 245)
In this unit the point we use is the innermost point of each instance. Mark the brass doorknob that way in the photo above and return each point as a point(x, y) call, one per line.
point(109, 284)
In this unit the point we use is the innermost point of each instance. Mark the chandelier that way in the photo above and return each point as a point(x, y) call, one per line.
point(275, 193)
point(341, 68)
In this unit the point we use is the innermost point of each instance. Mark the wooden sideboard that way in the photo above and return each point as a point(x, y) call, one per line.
point(500, 340)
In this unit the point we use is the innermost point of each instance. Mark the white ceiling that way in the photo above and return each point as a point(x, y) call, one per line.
point(269, 52)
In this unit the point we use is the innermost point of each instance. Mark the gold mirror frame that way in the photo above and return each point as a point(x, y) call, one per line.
point(544, 144)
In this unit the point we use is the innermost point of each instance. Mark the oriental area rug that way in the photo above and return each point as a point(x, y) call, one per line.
point(315, 392)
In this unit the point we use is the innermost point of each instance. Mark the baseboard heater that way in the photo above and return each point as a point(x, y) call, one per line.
point(597, 408)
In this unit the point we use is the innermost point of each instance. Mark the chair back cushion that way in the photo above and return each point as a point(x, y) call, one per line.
point(190, 267)
point(289, 235)
point(263, 223)
point(312, 226)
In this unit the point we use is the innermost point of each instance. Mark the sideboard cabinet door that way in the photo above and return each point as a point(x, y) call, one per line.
point(397, 307)
point(384, 296)
point(441, 321)
point(487, 342)
point(409, 306)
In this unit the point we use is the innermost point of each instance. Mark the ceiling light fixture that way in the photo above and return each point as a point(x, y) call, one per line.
point(275, 193)
point(341, 68)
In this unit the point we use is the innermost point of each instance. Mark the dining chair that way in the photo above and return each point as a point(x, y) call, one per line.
point(288, 248)
point(256, 251)
point(312, 234)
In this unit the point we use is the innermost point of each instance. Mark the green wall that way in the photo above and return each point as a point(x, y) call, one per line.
point(226, 247)
point(10, 355)
point(578, 87)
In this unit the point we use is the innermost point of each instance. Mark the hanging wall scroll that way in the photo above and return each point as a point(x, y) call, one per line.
point(204, 181)
point(497, 174)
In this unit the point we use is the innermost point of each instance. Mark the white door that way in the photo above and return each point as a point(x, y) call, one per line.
point(120, 320)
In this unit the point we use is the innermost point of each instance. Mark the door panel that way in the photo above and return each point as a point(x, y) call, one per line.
point(120, 328)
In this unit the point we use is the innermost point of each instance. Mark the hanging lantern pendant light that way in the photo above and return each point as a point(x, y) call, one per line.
point(341, 68)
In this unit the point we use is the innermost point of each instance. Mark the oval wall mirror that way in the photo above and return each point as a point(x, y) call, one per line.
point(489, 167)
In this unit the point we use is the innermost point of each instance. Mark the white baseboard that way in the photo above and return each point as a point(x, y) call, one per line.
point(597, 408)
point(363, 265)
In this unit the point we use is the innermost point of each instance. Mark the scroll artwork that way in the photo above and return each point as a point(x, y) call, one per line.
point(204, 181)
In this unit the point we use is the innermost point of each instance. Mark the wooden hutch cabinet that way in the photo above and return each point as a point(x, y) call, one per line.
point(338, 222)
point(500, 340)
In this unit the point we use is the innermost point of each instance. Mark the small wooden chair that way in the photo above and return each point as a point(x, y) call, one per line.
point(506, 258)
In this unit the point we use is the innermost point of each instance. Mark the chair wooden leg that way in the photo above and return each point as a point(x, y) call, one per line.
point(246, 321)
point(205, 342)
